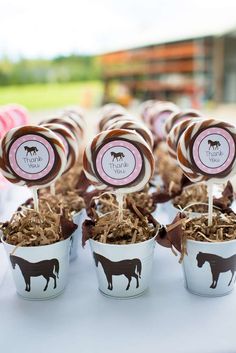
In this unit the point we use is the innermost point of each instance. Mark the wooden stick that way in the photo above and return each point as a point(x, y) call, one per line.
point(36, 199)
point(52, 189)
point(120, 200)
point(210, 202)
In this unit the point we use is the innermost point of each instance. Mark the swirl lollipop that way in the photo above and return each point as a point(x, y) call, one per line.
point(19, 114)
point(137, 126)
point(120, 159)
point(116, 119)
point(178, 117)
point(207, 152)
point(111, 114)
point(6, 120)
point(69, 141)
point(107, 108)
point(175, 134)
point(77, 117)
point(69, 123)
point(32, 156)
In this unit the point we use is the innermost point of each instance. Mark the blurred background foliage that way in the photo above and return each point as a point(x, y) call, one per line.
point(44, 84)
point(61, 69)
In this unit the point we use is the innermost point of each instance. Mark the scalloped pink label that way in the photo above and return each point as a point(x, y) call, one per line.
point(31, 157)
point(119, 163)
point(213, 151)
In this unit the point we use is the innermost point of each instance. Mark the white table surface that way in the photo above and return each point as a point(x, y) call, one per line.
point(167, 319)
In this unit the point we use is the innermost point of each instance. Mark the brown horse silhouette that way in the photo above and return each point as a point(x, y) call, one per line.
point(213, 144)
point(127, 268)
point(218, 265)
point(42, 268)
point(117, 155)
point(31, 150)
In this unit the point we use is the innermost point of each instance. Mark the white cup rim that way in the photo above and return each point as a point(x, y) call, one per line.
point(33, 247)
point(208, 243)
point(124, 245)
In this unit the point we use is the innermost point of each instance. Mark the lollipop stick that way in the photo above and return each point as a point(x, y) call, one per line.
point(52, 189)
point(210, 202)
point(36, 199)
point(120, 200)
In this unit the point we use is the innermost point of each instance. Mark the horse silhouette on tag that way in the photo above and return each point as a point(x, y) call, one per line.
point(128, 268)
point(214, 144)
point(218, 265)
point(32, 150)
point(118, 156)
point(45, 268)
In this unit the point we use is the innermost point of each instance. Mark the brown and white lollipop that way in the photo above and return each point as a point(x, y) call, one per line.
point(120, 159)
point(111, 114)
point(207, 151)
point(178, 117)
point(69, 141)
point(175, 134)
point(32, 156)
point(68, 123)
point(137, 126)
point(77, 117)
point(107, 108)
point(115, 119)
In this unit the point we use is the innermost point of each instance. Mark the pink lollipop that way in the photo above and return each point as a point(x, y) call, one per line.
point(7, 121)
point(19, 114)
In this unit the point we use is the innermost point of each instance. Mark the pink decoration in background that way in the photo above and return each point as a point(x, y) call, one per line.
point(11, 116)
point(19, 114)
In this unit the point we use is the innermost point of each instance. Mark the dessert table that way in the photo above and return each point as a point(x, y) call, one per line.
point(166, 319)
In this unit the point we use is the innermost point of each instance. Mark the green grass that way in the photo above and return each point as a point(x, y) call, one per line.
point(49, 96)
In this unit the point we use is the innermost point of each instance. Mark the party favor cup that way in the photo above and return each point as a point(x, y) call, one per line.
point(78, 219)
point(209, 268)
point(39, 272)
point(123, 271)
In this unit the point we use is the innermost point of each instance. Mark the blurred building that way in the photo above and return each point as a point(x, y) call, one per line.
point(197, 69)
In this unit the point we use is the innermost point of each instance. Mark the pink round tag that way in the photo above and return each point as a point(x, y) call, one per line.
point(31, 157)
point(213, 151)
point(118, 163)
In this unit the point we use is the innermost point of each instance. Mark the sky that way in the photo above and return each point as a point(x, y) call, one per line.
point(46, 28)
